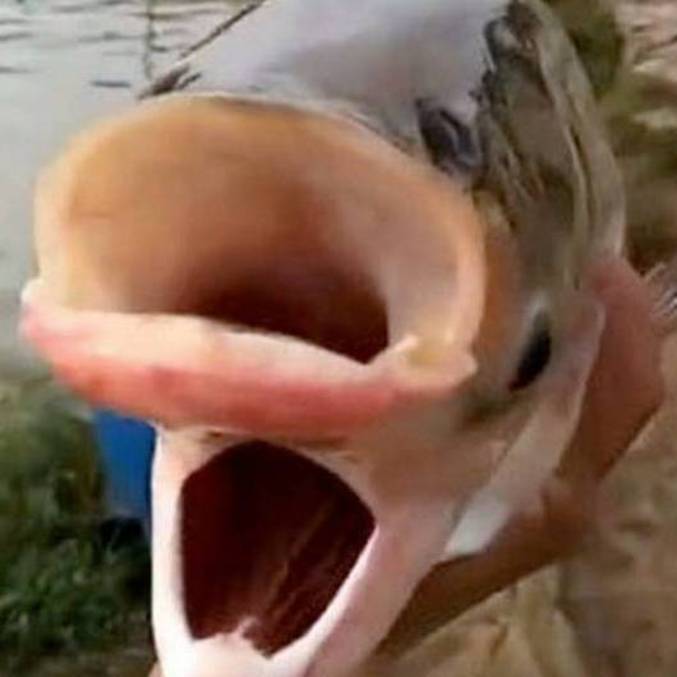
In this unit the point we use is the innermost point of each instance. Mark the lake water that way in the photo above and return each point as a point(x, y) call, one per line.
point(62, 64)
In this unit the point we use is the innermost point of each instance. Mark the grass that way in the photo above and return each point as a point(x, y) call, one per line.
point(630, 97)
point(63, 590)
point(597, 38)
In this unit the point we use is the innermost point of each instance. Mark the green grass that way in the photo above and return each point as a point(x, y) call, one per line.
point(593, 30)
point(63, 591)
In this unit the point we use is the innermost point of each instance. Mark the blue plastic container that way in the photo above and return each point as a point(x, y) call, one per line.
point(127, 447)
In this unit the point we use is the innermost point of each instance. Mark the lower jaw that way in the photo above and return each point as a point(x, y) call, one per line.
point(253, 629)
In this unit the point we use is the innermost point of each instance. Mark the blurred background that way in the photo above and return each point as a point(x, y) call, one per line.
point(73, 582)
point(73, 590)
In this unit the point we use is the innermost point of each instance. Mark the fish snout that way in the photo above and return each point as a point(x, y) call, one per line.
point(257, 280)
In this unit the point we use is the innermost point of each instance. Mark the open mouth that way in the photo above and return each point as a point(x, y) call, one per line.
point(271, 272)
point(268, 274)
point(267, 539)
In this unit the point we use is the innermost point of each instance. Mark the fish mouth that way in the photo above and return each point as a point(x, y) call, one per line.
point(289, 282)
point(267, 539)
point(310, 275)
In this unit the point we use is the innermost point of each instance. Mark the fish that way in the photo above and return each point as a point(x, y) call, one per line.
point(339, 258)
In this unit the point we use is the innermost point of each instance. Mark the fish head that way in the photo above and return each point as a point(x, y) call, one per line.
point(353, 309)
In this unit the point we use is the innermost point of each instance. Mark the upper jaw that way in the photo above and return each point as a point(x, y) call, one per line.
point(187, 216)
point(241, 382)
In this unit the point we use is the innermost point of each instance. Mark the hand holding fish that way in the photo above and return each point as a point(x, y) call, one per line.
point(625, 389)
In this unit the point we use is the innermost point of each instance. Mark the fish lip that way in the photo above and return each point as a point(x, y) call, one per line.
point(210, 375)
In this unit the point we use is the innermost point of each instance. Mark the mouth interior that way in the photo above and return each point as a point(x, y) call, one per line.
point(264, 218)
point(267, 540)
point(308, 296)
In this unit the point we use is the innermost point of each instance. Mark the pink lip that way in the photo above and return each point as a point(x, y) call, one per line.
point(209, 375)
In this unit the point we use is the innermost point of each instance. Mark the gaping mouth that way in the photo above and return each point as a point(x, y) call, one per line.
point(267, 539)
point(268, 274)
point(254, 267)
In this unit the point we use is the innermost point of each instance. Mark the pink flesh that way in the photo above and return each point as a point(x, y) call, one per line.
point(269, 537)
point(183, 371)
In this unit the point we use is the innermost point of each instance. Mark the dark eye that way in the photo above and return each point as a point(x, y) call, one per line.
point(535, 357)
point(451, 144)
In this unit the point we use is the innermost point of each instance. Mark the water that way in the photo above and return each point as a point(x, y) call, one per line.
point(63, 63)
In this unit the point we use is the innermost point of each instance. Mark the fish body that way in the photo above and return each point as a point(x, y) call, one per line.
point(364, 331)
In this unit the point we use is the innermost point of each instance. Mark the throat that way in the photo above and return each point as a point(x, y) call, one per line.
point(305, 297)
point(267, 539)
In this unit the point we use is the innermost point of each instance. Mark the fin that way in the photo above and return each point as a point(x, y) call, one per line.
point(662, 282)
point(483, 518)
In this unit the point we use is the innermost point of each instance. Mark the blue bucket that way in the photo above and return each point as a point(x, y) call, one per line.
point(127, 447)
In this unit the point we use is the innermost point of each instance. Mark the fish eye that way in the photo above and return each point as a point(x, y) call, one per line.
point(535, 357)
point(451, 144)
